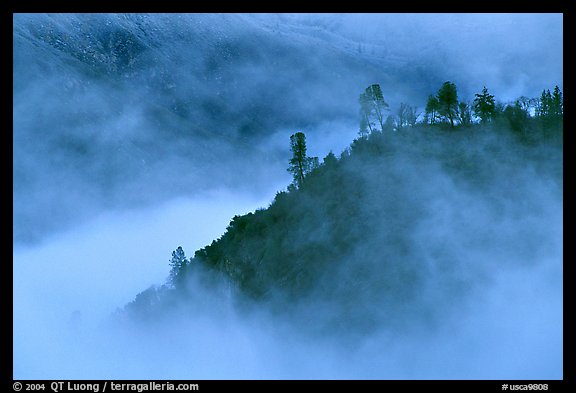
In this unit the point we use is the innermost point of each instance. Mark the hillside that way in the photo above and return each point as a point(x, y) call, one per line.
point(401, 229)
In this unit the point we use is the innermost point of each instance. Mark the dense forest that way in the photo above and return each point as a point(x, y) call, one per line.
point(397, 228)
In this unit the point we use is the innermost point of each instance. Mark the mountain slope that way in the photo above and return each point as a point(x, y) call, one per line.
point(401, 230)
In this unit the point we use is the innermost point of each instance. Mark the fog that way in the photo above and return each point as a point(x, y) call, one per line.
point(510, 329)
point(135, 134)
point(165, 102)
point(100, 266)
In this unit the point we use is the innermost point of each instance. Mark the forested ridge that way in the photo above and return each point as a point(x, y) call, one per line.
point(403, 222)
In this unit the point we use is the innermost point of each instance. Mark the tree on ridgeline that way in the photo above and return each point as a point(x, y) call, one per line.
point(177, 263)
point(406, 116)
point(544, 104)
point(499, 108)
point(464, 114)
point(300, 163)
point(557, 103)
point(330, 160)
point(550, 108)
point(448, 102)
point(484, 106)
point(431, 111)
point(517, 116)
point(372, 107)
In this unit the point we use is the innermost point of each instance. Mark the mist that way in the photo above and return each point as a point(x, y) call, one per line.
point(217, 88)
point(135, 134)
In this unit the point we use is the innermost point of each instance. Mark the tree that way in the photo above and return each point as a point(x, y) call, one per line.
point(448, 101)
point(431, 111)
point(499, 108)
point(412, 115)
point(550, 108)
point(365, 127)
point(544, 104)
point(177, 263)
point(372, 107)
point(313, 163)
point(406, 116)
point(557, 103)
point(464, 114)
point(484, 106)
point(330, 159)
point(517, 116)
point(300, 163)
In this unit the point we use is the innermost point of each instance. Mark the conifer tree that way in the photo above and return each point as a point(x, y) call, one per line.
point(484, 106)
point(557, 103)
point(300, 163)
point(543, 108)
point(177, 263)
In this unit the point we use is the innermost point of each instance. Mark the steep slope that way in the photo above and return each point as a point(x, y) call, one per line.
point(401, 230)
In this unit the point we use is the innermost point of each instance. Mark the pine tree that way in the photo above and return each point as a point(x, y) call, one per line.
point(557, 103)
point(543, 108)
point(300, 163)
point(330, 159)
point(484, 106)
point(177, 264)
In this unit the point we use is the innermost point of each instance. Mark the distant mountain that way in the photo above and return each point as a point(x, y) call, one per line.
point(126, 109)
point(399, 231)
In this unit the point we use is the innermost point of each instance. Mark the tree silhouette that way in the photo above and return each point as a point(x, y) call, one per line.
point(448, 101)
point(300, 163)
point(407, 116)
point(484, 106)
point(557, 103)
point(431, 111)
point(550, 108)
point(372, 107)
point(544, 104)
point(517, 116)
point(330, 160)
point(177, 263)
